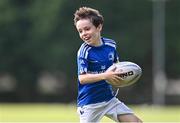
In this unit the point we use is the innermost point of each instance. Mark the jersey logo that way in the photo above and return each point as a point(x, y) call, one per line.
point(81, 112)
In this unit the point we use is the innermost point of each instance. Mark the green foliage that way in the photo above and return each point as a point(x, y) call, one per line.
point(172, 36)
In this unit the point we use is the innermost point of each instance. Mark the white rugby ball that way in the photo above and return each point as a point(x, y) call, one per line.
point(130, 73)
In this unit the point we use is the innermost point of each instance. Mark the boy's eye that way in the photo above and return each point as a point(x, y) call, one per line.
point(87, 28)
point(80, 31)
point(84, 29)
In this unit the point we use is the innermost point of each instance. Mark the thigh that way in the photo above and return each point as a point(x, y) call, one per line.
point(91, 113)
point(116, 108)
point(86, 115)
point(128, 118)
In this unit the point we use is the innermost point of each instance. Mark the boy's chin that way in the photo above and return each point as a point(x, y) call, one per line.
point(88, 42)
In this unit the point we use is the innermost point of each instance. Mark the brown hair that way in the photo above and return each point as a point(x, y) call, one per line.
point(88, 13)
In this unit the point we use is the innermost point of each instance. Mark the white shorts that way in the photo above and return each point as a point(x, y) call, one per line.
point(95, 112)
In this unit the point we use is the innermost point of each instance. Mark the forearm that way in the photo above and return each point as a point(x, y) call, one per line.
point(91, 78)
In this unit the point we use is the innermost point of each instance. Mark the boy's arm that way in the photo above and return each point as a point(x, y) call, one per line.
point(92, 78)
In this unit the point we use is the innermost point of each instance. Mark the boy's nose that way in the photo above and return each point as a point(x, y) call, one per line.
point(84, 33)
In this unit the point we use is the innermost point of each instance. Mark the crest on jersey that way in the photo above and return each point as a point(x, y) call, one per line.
point(111, 56)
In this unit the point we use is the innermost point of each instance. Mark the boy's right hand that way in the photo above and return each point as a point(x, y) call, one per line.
point(111, 76)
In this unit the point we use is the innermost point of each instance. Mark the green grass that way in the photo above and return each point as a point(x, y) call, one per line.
point(67, 113)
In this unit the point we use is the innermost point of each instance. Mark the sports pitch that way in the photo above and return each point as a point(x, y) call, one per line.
point(55, 112)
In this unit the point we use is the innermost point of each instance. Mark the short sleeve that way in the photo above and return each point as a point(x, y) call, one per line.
point(82, 66)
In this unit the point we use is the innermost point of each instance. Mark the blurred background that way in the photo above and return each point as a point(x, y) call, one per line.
point(38, 45)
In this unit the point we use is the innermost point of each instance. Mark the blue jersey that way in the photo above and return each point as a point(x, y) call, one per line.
point(92, 59)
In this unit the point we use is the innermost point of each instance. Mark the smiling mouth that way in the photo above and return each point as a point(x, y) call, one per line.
point(86, 38)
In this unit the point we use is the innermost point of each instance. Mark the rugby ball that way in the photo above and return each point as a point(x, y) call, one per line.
point(129, 72)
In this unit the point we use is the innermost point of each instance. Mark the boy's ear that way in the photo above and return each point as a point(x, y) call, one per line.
point(100, 27)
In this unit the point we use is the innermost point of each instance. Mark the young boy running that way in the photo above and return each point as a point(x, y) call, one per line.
point(95, 96)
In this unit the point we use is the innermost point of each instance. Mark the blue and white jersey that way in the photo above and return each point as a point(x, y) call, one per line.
point(92, 59)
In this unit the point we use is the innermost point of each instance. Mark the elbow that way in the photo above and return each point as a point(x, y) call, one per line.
point(81, 80)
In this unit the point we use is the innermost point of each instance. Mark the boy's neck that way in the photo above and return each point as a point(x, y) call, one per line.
point(99, 43)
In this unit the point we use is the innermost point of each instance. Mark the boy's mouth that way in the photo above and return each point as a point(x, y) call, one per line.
point(87, 38)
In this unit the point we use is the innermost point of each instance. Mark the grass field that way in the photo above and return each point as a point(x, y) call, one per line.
point(67, 113)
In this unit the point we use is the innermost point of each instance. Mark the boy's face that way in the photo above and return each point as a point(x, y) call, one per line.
point(88, 32)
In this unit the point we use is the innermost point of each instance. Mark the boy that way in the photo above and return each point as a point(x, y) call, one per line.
point(95, 96)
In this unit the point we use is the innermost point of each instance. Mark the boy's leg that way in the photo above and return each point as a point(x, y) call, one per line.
point(129, 118)
point(92, 113)
point(119, 112)
point(88, 115)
